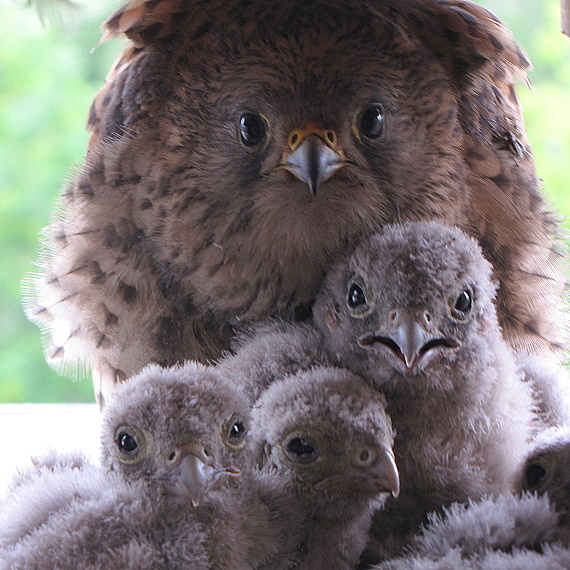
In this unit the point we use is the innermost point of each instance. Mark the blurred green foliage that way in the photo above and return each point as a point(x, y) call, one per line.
point(48, 75)
point(536, 25)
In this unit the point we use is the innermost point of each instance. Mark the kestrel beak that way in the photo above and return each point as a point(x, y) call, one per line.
point(196, 473)
point(380, 476)
point(383, 473)
point(313, 156)
point(409, 342)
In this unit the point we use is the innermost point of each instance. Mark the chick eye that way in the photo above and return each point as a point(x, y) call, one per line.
point(237, 432)
point(131, 443)
point(534, 475)
point(127, 443)
point(252, 129)
point(301, 450)
point(371, 123)
point(463, 304)
point(234, 432)
point(356, 296)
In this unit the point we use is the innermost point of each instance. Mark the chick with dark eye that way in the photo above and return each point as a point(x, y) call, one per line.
point(168, 492)
point(325, 442)
point(425, 347)
point(182, 441)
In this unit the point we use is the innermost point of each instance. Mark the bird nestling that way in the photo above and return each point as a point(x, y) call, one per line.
point(182, 431)
point(237, 148)
point(166, 496)
point(324, 439)
point(411, 310)
point(187, 436)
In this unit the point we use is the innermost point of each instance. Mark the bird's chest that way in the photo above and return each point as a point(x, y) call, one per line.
point(246, 266)
point(429, 439)
point(248, 284)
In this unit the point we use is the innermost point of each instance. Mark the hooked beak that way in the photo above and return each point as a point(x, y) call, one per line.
point(195, 475)
point(381, 476)
point(385, 472)
point(410, 343)
point(313, 156)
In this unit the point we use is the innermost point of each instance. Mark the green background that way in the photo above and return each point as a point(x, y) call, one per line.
point(48, 75)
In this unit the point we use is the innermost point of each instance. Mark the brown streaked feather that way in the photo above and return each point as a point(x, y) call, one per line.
point(186, 236)
point(144, 21)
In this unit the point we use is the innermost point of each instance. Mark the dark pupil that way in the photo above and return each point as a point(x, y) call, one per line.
point(534, 475)
point(237, 431)
point(463, 303)
point(356, 296)
point(252, 129)
point(127, 442)
point(300, 447)
point(372, 122)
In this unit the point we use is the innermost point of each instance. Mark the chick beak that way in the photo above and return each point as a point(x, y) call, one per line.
point(410, 337)
point(313, 156)
point(197, 475)
point(381, 476)
point(410, 342)
point(385, 472)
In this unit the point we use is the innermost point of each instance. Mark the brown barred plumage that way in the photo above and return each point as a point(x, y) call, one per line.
point(177, 232)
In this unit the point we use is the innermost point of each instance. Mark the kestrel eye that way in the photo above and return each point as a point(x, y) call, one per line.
point(534, 475)
point(372, 121)
point(301, 450)
point(131, 443)
point(463, 303)
point(237, 432)
point(127, 442)
point(356, 296)
point(233, 432)
point(252, 129)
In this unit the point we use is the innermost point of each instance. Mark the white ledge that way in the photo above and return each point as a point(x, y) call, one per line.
point(29, 430)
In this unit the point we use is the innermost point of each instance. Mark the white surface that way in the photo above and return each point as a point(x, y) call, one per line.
point(28, 430)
